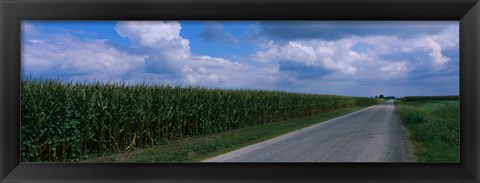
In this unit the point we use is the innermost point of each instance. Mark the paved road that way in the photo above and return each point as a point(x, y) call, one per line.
point(374, 134)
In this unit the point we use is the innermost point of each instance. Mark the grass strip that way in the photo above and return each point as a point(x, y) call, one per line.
point(433, 127)
point(195, 149)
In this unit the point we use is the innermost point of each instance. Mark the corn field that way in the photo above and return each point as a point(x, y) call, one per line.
point(64, 122)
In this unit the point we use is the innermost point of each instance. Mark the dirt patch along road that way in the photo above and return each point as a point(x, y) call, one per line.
point(374, 134)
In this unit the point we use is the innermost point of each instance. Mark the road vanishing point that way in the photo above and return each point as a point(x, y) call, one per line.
point(373, 134)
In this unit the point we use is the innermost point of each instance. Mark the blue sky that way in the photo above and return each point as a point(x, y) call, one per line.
point(360, 58)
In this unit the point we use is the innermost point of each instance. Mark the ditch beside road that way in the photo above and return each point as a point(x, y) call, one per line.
point(374, 134)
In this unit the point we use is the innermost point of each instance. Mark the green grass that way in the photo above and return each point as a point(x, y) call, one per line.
point(421, 98)
point(433, 127)
point(195, 149)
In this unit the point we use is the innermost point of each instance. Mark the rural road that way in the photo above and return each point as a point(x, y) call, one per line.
point(374, 134)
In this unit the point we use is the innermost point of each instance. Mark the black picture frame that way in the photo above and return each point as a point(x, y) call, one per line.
point(13, 11)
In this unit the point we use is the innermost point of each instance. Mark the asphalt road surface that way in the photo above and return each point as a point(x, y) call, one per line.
point(374, 134)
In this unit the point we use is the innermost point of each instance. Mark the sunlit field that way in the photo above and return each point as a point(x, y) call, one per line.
point(75, 121)
point(190, 90)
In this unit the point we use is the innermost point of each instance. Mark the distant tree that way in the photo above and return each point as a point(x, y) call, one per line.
point(376, 96)
point(381, 96)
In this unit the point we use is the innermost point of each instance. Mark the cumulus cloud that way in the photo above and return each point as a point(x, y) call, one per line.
point(355, 59)
point(395, 69)
point(66, 56)
point(170, 55)
point(214, 32)
point(159, 35)
point(434, 52)
point(328, 55)
point(205, 70)
point(367, 58)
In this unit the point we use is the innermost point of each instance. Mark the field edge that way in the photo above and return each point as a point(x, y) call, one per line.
point(197, 149)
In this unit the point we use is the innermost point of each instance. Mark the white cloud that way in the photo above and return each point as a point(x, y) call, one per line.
point(63, 55)
point(158, 35)
point(330, 55)
point(434, 50)
point(165, 46)
point(36, 41)
point(388, 57)
point(394, 69)
point(304, 51)
point(219, 72)
point(448, 38)
point(149, 34)
point(163, 56)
